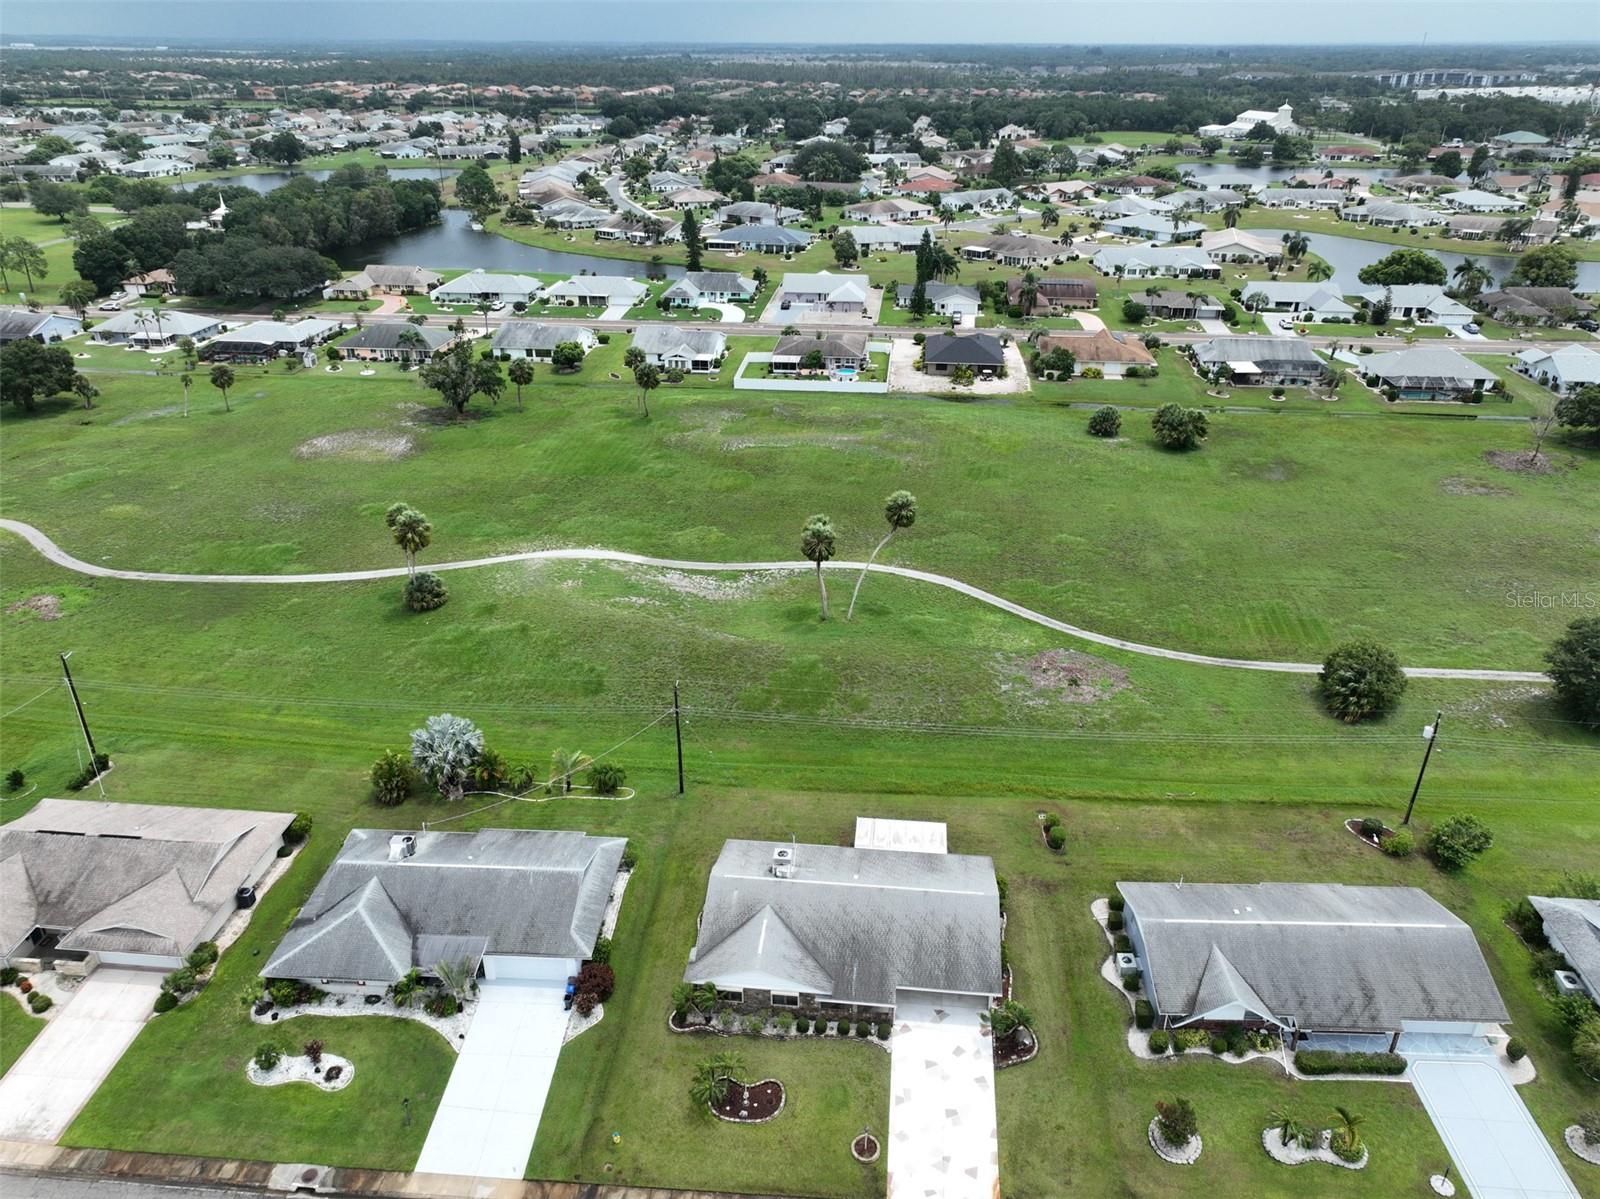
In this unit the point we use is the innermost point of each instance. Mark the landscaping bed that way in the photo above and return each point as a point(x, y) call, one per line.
point(1013, 1050)
point(333, 1073)
point(1297, 1154)
point(865, 1148)
point(751, 1103)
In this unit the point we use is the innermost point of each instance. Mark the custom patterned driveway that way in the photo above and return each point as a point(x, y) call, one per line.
point(943, 1140)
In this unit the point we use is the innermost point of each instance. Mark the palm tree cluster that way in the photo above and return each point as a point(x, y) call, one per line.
point(713, 1078)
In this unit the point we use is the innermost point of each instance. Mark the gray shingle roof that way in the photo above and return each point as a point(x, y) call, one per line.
point(131, 878)
point(665, 339)
point(1264, 351)
point(852, 924)
point(386, 336)
point(17, 323)
point(1576, 924)
point(525, 892)
point(1329, 956)
point(1433, 364)
point(532, 335)
point(974, 349)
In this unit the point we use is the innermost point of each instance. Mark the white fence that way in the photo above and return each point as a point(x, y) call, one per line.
point(758, 357)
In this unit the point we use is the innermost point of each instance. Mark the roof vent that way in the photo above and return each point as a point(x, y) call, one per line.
point(402, 846)
point(783, 861)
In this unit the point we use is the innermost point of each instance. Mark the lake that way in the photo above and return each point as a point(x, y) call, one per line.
point(265, 181)
point(452, 244)
point(1270, 174)
point(1347, 255)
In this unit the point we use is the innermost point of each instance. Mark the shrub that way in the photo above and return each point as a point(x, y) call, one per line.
point(313, 1050)
point(1051, 820)
point(179, 982)
point(1545, 962)
point(443, 1005)
point(393, 777)
point(1400, 844)
point(87, 775)
point(1326, 1061)
point(1176, 1122)
point(1572, 1011)
point(882, 1029)
point(40, 1003)
point(1178, 428)
point(603, 338)
point(586, 1002)
point(1585, 1049)
point(1105, 422)
point(630, 857)
point(267, 1056)
point(1238, 1044)
point(24, 985)
point(1121, 944)
point(299, 828)
point(285, 992)
point(1526, 922)
point(602, 951)
point(1219, 1044)
point(202, 955)
point(1190, 1038)
point(165, 1002)
point(1371, 826)
point(1143, 1014)
point(1134, 312)
point(1115, 920)
point(1056, 838)
point(607, 778)
point(1343, 1149)
point(425, 591)
point(1589, 1126)
point(1000, 886)
point(802, 1024)
point(1361, 679)
point(1458, 839)
point(598, 978)
point(1277, 393)
point(1158, 1040)
point(332, 1073)
point(15, 779)
point(1092, 372)
point(1116, 903)
point(285, 850)
point(863, 1029)
point(9, 976)
point(1516, 1050)
point(1130, 982)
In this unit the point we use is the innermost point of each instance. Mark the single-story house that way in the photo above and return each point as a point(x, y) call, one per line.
point(530, 339)
point(1551, 304)
point(985, 199)
point(1198, 200)
point(1239, 245)
point(1112, 353)
point(1474, 228)
point(944, 299)
point(1420, 185)
point(151, 327)
point(1572, 926)
point(480, 284)
point(17, 323)
point(1263, 361)
point(896, 238)
point(759, 239)
point(834, 930)
point(1012, 249)
point(1427, 373)
point(1130, 206)
point(596, 291)
point(159, 282)
point(1561, 370)
point(261, 340)
point(695, 197)
point(1421, 302)
point(397, 341)
point(846, 350)
point(753, 212)
point(1065, 191)
point(573, 214)
point(1349, 154)
point(889, 211)
point(664, 183)
point(1387, 214)
point(1148, 262)
point(1312, 301)
point(944, 352)
point(1310, 959)
point(1170, 305)
point(1228, 181)
point(823, 292)
point(120, 884)
point(1473, 200)
point(1053, 294)
point(503, 903)
point(697, 351)
point(1302, 197)
point(709, 287)
point(383, 280)
point(1158, 229)
point(637, 230)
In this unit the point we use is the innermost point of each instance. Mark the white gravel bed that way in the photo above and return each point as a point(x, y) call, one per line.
point(1295, 1154)
point(1182, 1155)
point(452, 1028)
point(298, 1068)
point(576, 1022)
point(1589, 1153)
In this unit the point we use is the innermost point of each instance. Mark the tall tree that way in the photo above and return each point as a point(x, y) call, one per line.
point(30, 372)
point(411, 531)
point(900, 510)
point(222, 378)
point(520, 372)
point(1006, 166)
point(647, 375)
point(816, 543)
point(1471, 277)
point(457, 377)
point(24, 256)
point(1478, 167)
point(78, 294)
point(691, 240)
point(514, 149)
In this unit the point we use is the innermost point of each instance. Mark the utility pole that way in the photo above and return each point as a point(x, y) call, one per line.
point(83, 723)
point(1431, 734)
point(677, 728)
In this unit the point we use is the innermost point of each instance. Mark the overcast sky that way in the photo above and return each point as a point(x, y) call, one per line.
point(838, 21)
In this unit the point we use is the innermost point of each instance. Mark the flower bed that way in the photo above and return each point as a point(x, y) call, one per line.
point(333, 1073)
point(751, 1103)
point(1178, 1155)
point(1017, 1047)
point(1576, 1143)
point(452, 1028)
point(1296, 1154)
point(865, 1148)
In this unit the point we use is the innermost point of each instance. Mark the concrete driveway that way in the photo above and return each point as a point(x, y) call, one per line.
point(1490, 1134)
point(65, 1065)
point(729, 314)
point(487, 1120)
point(944, 1142)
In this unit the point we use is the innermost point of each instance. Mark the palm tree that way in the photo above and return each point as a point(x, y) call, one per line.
point(689, 997)
point(455, 976)
point(1318, 270)
point(187, 380)
point(1350, 1133)
point(520, 372)
point(1048, 216)
point(900, 510)
point(411, 532)
point(1296, 245)
point(1117, 272)
point(484, 308)
point(1230, 217)
point(1290, 1130)
point(28, 258)
point(648, 378)
point(1005, 1019)
point(564, 764)
point(1471, 277)
point(816, 543)
point(713, 1077)
point(222, 379)
point(633, 358)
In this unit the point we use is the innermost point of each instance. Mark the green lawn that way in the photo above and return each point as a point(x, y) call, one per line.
point(18, 1027)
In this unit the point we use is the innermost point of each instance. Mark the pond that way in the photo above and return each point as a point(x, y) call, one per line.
point(1271, 174)
point(1347, 255)
point(452, 244)
point(265, 181)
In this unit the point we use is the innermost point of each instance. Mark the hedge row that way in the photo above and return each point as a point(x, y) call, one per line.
point(1326, 1061)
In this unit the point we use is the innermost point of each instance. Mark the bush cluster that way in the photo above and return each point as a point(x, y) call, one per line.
point(87, 775)
point(1326, 1061)
point(1159, 1040)
point(40, 1003)
point(1399, 844)
point(1143, 1014)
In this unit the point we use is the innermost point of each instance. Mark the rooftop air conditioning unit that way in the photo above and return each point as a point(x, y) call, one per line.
point(1568, 983)
point(783, 862)
point(402, 846)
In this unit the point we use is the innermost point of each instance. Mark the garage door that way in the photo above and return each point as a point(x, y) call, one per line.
point(536, 969)
point(1483, 1122)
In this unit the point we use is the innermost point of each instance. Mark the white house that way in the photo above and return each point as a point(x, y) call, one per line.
point(1570, 367)
point(698, 288)
point(823, 292)
point(1281, 121)
point(1421, 302)
point(1310, 301)
point(596, 291)
point(945, 299)
point(478, 285)
point(697, 351)
point(530, 339)
point(1146, 262)
point(148, 328)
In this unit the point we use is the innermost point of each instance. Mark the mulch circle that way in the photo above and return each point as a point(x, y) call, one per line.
point(1354, 828)
point(1012, 1051)
point(751, 1103)
point(865, 1148)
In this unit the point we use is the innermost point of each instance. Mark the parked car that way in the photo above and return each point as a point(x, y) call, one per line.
point(1469, 327)
point(1588, 326)
point(111, 306)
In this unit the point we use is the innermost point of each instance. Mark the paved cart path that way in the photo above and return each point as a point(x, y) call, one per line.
point(50, 550)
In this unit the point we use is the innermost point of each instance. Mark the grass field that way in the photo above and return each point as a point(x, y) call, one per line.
point(1286, 533)
point(18, 1027)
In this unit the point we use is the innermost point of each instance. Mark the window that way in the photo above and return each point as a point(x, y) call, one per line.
point(736, 996)
point(780, 999)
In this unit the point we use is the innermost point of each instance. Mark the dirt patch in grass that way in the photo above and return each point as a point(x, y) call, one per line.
point(1279, 470)
point(1061, 675)
point(45, 607)
point(360, 445)
point(712, 586)
point(1520, 462)
point(778, 441)
point(1461, 485)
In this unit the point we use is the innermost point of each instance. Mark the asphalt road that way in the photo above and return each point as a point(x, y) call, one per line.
point(35, 1186)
